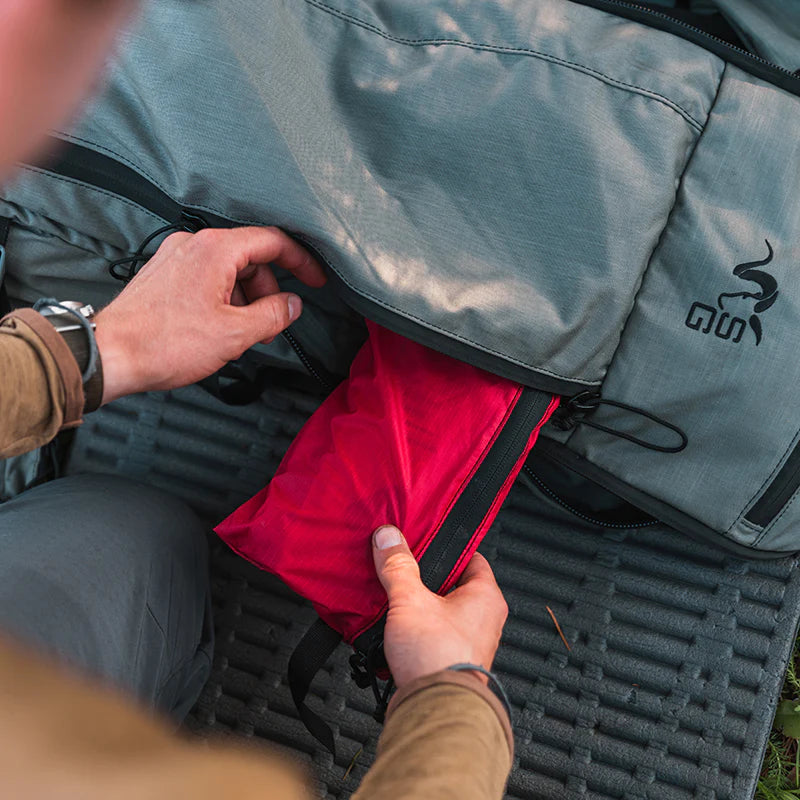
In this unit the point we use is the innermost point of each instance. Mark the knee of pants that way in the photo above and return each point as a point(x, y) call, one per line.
point(111, 576)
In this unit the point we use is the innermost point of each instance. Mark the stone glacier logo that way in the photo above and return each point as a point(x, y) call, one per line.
point(702, 317)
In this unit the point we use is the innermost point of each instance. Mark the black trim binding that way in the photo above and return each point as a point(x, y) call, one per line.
point(778, 492)
point(755, 65)
point(657, 508)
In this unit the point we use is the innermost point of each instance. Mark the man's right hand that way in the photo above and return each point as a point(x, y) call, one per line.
point(201, 301)
point(426, 633)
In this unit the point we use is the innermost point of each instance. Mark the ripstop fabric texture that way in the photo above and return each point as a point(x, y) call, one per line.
point(398, 442)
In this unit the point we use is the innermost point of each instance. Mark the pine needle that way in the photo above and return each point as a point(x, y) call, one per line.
point(353, 763)
point(558, 628)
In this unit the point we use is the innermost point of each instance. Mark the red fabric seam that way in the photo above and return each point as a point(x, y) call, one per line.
point(501, 494)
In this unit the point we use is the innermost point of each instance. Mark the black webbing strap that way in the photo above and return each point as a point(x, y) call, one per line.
point(5, 227)
point(307, 660)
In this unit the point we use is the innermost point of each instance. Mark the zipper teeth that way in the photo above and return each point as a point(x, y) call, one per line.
point(550, 493)
point(522, 430)
point(301, 354)
point(777, 494)
point(707, 35)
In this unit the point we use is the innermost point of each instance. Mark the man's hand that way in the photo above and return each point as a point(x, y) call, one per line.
point(426, 633)
point(201, 301)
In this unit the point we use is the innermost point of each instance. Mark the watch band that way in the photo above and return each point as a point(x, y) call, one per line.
point(73, 321)
point(78, 343)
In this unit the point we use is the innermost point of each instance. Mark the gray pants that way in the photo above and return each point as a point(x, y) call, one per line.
point(112, 577)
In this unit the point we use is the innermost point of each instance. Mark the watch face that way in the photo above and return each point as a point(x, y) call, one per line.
point(62, 316)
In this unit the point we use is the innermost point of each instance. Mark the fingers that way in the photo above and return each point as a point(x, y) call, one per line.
point(478, 581)
point(271, 245)
point(396, 566)
point(478, 569)
point(257, 281)
point(266, 317)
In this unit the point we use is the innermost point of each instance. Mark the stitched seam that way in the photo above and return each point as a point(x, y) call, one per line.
point(745, 523)
point(137, 168)
point(50, 235)
point(155, 619)
point(118, 197)
point(660, 238)
point(433, 326)
point(506, 50)
point(655, 249)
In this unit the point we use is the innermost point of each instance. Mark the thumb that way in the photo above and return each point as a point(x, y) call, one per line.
point(397, 568)
point(268, 316)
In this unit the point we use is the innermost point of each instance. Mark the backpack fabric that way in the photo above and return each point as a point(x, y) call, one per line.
point(576, 196)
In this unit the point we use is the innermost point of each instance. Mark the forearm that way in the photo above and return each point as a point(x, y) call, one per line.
point(40, 385)
point(447, 737)
point(65, 738)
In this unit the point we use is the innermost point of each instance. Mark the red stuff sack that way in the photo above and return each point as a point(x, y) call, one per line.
point(412, 438)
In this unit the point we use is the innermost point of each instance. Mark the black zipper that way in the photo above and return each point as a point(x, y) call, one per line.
point(96, 169)
point(79, 163)
point(747, 61)
point(556, 498)
point(778, 493)
point(471, 507)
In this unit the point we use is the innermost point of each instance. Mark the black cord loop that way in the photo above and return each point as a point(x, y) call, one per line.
point(125, 269)
point(585, 402)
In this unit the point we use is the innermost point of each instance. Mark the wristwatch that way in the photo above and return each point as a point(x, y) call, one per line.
point(77, 337)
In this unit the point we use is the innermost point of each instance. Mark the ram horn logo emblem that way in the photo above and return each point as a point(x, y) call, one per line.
point(705, 318)
point(765, 298)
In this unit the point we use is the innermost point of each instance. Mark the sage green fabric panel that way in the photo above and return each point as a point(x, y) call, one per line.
point(497, 173)
point(710, 350)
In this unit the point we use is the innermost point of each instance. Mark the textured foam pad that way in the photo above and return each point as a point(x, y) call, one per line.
point(678, 650)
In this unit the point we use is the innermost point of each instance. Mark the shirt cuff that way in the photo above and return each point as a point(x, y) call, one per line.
point(466, 680)
point(64, 359)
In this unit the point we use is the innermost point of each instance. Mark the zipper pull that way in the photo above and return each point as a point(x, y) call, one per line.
point(191, 221)
point(571, 412)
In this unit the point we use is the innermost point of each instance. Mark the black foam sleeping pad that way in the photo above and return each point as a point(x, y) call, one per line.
point(677, 650)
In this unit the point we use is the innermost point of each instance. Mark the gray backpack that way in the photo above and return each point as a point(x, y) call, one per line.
point(593, 198)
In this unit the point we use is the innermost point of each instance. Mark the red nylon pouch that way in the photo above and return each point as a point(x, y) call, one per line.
point(412, 438)
point(398, 442)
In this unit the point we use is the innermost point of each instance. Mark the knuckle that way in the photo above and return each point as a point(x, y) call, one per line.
point(176, 239)
point(207, 237)
point(276, 317)
point(400, 562)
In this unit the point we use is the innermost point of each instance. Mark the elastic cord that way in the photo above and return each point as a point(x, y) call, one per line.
point(91, 366)
point(494, 682)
